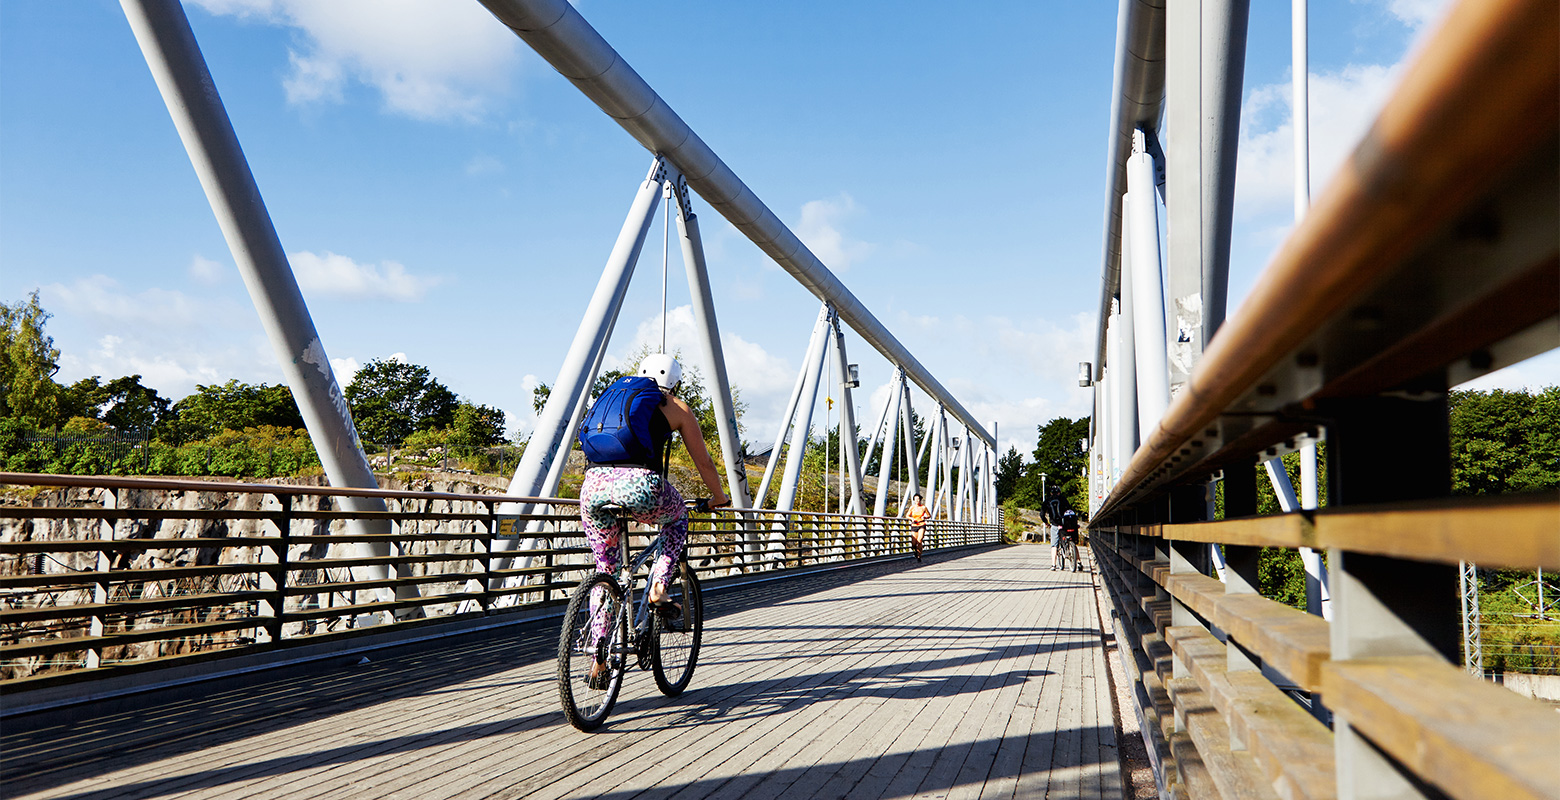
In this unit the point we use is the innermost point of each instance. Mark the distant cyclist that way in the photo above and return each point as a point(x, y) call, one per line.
point(630, 473)
point(1051, 512)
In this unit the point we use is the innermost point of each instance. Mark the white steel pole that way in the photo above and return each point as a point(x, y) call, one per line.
point(1124, 378)
point(535, 470)
point(600, 315)
point(1148, 305)
point(890, 440)
point(913, 467)
point(1318, 597)
point(168, 44)
point(814, 344)
point(1302, 110)
point(877, 430)
point(802, 431)
point(934, 444)
point(714, 354)
point(848, 422)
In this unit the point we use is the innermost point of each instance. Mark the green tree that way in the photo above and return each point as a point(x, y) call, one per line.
point(123, 403)
point(476, 426)
point(392, 399)
point(235, 406)
point(28, 361)
point(1009, 467)
point(1504, 442)
point(1059, 457)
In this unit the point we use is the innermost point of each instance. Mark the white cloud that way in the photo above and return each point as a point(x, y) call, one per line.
point(1417, 14)
point(103, 299)
point(205, 271)
point(340, 276)
point(345, 369)
point(819, 229)
point(484, 165)
point(1342, 106)
point(428, 59)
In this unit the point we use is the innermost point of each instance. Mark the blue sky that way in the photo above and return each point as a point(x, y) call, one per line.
point(445, 195)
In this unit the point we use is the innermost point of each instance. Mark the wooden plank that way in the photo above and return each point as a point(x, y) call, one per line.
point(1236, 774)
point(1520, 531)
point(1472, 739)
point(1293, 748)
point(1276, 530)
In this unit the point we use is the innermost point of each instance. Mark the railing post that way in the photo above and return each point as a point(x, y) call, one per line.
point(273, 579)
point(96, 625)
point(486, 600)
point(1384, 449)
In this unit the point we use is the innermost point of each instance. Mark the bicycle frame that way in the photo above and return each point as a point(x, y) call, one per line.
point(626, 571)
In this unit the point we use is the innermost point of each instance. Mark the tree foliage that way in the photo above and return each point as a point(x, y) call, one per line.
point(1010, 468)
point(391, 399)
point(28, 361)
point(122, 404)
point(1505, 442)
point(235, 406)
point(1060, 458)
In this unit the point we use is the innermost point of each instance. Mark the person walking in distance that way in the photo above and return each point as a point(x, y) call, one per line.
point(1055, 506)
point(918, 514)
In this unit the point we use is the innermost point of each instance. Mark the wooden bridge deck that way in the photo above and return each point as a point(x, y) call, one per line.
point(975, 674)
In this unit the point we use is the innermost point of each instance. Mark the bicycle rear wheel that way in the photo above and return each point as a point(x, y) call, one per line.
point(1070, 556)
point(595, 632)
point(674, 644)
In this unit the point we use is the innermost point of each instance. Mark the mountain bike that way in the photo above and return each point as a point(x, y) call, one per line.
point(1070, 552)
point(604, 631)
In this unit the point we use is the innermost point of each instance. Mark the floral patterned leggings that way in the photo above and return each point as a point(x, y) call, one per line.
point(644, 495)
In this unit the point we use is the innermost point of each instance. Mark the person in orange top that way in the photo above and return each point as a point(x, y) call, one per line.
point(918, 515)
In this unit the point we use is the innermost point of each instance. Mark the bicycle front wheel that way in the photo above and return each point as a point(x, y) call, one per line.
point(674, 644)
point(591, 652)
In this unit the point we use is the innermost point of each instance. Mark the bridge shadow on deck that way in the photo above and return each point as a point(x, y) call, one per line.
point(39, 751)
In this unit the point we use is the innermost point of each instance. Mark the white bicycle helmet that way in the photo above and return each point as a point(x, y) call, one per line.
point(663, 369)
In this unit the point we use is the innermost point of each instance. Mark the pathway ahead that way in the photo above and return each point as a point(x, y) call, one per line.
point(971, 675)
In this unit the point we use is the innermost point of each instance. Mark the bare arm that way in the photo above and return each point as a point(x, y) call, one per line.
point(681, 419)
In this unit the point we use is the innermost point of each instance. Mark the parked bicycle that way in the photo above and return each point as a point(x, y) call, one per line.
point(604, 631)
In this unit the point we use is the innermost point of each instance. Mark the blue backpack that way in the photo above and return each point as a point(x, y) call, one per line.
point(616, 430)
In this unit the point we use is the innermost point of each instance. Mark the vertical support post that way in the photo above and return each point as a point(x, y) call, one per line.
point(274, 580)
point(709, 335)
point(1240, 561)
point(1472, 620)
point(1148, 308)
point(890, 439)
point(1301, 69)
point(801, 432)
point(1383, 449)
point(168, 44)
point(848, 422)
point(814, 347)
point(96, 624)
point(1205, 44)
point(912, 457)
point(877, 432)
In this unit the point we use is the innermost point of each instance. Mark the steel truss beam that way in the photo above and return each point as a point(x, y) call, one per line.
point(557, 32)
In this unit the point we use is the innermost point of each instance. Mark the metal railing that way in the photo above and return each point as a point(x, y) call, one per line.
point(144, 571)
point(1431, 259)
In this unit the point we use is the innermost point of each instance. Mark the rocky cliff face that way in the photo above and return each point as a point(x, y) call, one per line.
point(167, 523)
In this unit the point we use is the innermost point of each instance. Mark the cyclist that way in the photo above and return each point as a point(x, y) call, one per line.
point(1069, 528)
point(642, 491)
point(918, 515)
point(1051, 513)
